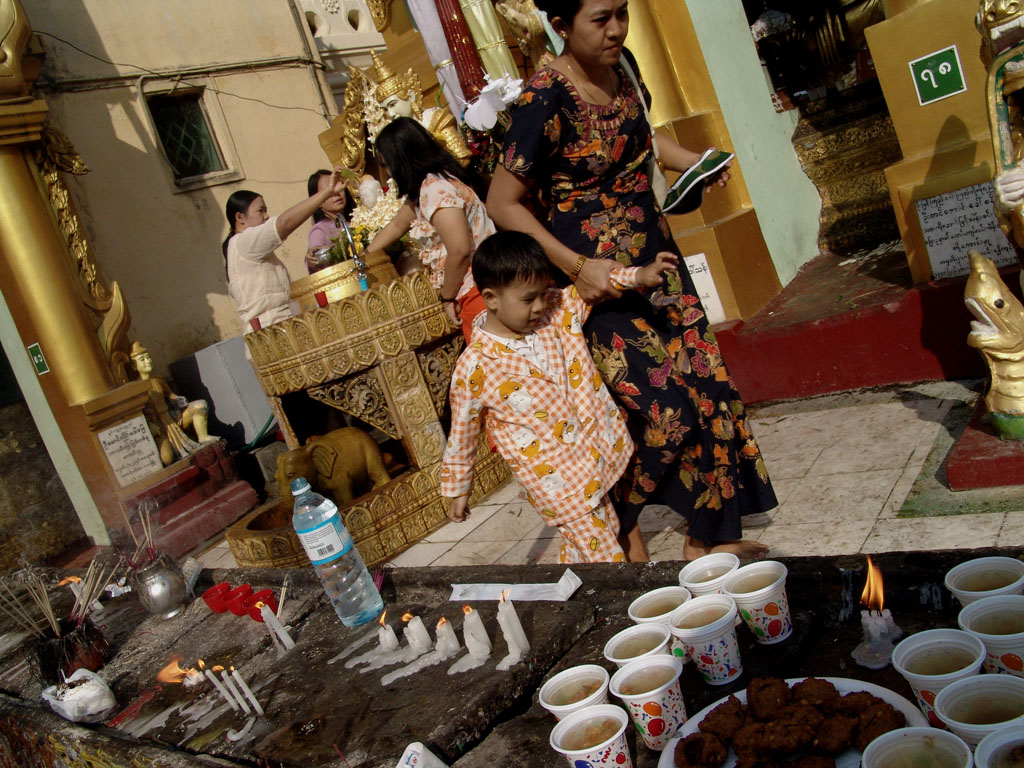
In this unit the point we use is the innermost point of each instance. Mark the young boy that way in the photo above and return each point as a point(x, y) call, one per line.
point(527, 375)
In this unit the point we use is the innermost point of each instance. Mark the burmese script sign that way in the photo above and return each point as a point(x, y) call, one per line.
point(131, 450)
point(959, 221)
point(700, 273)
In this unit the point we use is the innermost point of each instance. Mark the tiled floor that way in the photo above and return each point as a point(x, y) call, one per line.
point(841, 465)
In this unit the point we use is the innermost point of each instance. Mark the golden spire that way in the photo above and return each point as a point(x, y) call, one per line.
point(388, 83)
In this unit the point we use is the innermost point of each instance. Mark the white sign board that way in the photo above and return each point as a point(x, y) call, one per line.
point(959, 221)
point(700, 273)
point(131, 450)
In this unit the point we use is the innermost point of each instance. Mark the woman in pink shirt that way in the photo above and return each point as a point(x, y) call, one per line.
point(327, 218)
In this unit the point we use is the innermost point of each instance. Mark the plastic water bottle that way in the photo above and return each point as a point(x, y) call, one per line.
point(337, 562)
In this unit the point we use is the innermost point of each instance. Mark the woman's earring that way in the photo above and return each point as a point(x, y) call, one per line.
point(564, 35)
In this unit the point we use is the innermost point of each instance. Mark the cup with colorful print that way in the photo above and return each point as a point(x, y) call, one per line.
point(650, 690)
point(706, 575)
point(656, 606)
point(999, 623)
point(637, 642)
point(574, 689)
point(931, 660)
point(594, 737)
point(759, 590)
point(706, 626)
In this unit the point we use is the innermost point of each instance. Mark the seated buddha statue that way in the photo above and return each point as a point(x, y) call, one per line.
point(169, 414)
point(402, 96)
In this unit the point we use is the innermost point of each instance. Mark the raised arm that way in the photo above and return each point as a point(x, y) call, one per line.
point(392, 231)
point(290, 220)
point(505, 206)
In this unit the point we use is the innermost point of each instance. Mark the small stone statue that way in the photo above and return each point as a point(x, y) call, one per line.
point(174, 414)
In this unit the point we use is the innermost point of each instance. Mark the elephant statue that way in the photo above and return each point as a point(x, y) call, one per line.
point(341, 465)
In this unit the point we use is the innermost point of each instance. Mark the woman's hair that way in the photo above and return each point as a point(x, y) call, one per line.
point(410, 153)
point(506, 258)
point(239, 202)
point(312, 187)
point(565, 10)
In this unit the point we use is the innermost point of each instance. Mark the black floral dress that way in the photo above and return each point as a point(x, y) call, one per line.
point(695, 452)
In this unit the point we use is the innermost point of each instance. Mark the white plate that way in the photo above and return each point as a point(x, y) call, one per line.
point(848, 759)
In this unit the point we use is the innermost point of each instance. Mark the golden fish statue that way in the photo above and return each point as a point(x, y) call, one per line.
point(998, 333)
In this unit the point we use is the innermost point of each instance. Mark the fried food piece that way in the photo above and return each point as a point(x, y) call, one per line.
point(876, 720)
point(700, 750)
point(725, 719)
point(766, 696)
point(812, 761)
point(748, 738)
point(857, 702)
point(794, 729)
point(819, 693)
point(752, 760)
point(836, 734)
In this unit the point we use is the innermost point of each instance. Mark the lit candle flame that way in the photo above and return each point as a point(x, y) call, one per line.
point(217, 668)
point(467, 610)
point(232, 668)
point(441, 622)
point(69, 580)
point(504, 595)
point(173, 673)
point(201, 663)
point(873, 596)
point(382, 617)
point(259, 604)
point(407, 617)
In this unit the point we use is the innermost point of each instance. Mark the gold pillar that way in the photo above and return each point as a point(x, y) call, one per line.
point(645, 42)
point(37, 261)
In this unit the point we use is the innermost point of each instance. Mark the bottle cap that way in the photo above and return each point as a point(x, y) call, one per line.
point(299, 484)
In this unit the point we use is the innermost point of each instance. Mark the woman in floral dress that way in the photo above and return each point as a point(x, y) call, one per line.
point(574, 176)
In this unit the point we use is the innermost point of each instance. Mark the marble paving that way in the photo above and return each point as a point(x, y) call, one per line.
point(842, 466)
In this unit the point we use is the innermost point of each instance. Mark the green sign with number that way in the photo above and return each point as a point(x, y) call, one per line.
point(938, 75)
point(38, 360)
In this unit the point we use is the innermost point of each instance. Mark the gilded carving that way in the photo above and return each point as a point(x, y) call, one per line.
point(14, 36)
point(360, 396)
point(380, 12)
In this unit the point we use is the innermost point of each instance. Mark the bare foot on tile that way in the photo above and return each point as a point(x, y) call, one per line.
point(745, 549)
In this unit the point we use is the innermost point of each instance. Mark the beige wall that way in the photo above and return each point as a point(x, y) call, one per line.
point(160, 243)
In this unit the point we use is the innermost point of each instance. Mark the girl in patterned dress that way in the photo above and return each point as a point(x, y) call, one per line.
point(442, 213)
point(577, 149)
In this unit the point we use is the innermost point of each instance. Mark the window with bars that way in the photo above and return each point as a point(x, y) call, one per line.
point(186, 134)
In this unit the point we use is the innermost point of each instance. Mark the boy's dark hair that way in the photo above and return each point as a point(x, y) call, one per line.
point(506, 258)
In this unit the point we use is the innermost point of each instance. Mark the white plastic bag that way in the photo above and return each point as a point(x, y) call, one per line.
point(83, 698)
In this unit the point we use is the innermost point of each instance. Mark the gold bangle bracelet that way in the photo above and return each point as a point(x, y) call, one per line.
point(577, 269)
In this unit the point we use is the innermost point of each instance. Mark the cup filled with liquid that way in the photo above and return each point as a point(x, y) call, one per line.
point(1003, 748)
point(573, 689)
point(657, 605)
point(917, 747)
point(974, 707)
point(759, 590)
point(706, 627)
point(594, 736)
point(999, 623)
point(706, 575)
point(650, 690)
point(931, 660)
point(637, 642)
point(985, 577)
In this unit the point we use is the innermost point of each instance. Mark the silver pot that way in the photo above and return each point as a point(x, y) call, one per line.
point(160, 587)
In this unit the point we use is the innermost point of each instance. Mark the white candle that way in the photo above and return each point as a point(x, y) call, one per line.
point(274, 623)
point(216, 684)
point(447, 642)
point(417, 636)
point(246, 690)
point(226, 679)
point(475, 635)
point(386, 637)
point(508, 620)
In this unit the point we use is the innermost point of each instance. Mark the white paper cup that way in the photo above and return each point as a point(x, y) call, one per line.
point(656, 704)
point(712, 644)
point(657, 605)
point(568, 684)
point(977, 706)
point(419, 756)
point(759, 590)
point(706, 575)
point(985, 577)
point(613, 752)
point(917, 746)
point(937, 649)
point(984, 617)
point(992, 751)
point(623, 647)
